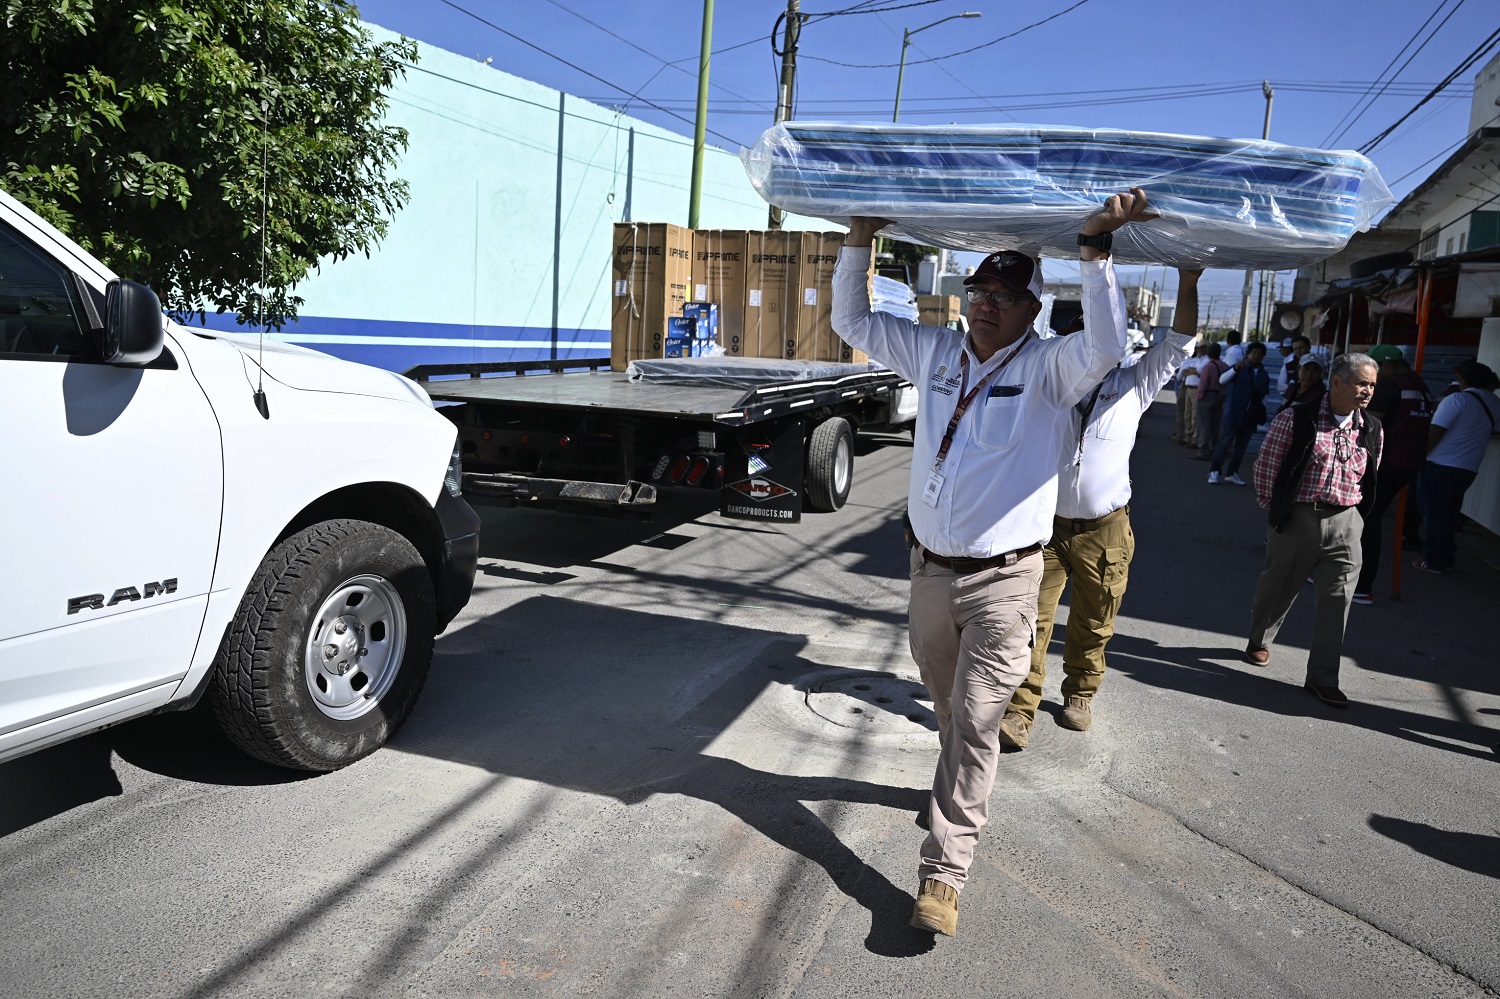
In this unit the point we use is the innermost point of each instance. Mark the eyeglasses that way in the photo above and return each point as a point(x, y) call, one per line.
point(1343, 446)
point(999, 299)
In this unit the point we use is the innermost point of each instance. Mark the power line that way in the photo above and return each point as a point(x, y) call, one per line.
point(647, 52)
point(579, 69)
point(1454, 92)
point(976, 48)
point(1458, 70)
point(1331, 137)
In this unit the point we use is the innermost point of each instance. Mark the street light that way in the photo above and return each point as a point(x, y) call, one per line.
point(906, 41)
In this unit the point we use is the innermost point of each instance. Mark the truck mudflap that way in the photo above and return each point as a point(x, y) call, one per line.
point(512, 489)
point(763, 473)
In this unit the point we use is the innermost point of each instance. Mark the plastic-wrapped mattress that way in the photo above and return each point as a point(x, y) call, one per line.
point(1237, 203)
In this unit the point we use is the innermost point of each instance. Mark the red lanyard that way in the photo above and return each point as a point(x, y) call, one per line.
point(963, 403)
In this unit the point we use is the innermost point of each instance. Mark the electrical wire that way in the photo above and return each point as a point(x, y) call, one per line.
point(1331, 137)
point(580, 69)
point(647, 52)
point(951, 55)
point(1463, 67)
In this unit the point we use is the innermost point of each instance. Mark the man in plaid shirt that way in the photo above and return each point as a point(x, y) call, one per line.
point(1316, 475)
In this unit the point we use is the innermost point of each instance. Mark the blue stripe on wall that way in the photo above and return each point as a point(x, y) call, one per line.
point(398, 346)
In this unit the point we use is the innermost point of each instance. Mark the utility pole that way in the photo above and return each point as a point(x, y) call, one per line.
point(1265, 133)
point(702, 123)
point(789, 38)
point(906, 43)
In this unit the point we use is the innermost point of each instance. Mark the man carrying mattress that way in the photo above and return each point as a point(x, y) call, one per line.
point(1092, 543)
point(996, 407)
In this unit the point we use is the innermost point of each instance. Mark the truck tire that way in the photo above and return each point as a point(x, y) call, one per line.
point(329, 648)
point(830, 465)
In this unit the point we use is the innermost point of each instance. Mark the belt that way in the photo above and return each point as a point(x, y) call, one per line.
point(1321, 507)
point(1080, 526)
point(963, 566)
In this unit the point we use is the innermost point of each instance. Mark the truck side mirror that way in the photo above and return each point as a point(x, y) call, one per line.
point(133, 325)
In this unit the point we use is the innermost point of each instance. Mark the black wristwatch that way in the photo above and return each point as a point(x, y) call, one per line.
point(1101, 242)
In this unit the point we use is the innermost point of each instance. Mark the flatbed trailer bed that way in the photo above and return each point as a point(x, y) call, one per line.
point(539, 434)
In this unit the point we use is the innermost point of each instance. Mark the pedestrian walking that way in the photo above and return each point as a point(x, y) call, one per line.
point(1244, 410)
point(1092, 541)
point(1460, 432)
point(1315, 474)
point(995, 414)
point(1187, 396)
point(1291, 387)
point(1210, 402)
point(1403, 406)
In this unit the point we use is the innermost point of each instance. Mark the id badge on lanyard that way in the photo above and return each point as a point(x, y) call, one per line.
point(933, 487)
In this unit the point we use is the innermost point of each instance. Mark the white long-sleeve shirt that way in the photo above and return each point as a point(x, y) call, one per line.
point(1097, 480)
point(999, 488)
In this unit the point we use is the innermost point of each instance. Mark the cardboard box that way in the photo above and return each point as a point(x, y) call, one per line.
point(720, 268)
point(741, 337)
point(651, 272)
point(780, 263)
point(938, 310)
point(706, 315)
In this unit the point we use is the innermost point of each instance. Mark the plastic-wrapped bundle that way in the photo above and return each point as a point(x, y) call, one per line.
point(890, 295)
point(1237, 203)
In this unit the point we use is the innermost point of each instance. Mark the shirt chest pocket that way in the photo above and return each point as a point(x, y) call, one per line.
point(998, 423)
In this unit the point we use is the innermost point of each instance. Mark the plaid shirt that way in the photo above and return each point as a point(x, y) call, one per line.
point(1326, 479)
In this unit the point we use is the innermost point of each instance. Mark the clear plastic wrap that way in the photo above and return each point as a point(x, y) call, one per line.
point(1235, 203)
point(890, 295)
point(736, 372)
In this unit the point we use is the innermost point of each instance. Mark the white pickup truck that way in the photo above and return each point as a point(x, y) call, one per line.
point(187, 514)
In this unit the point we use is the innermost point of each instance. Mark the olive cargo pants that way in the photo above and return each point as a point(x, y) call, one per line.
point(1095, 555)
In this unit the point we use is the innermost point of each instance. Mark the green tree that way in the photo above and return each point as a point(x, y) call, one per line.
point(157, 133)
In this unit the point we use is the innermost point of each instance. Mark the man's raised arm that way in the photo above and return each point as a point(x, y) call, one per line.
point(889, 339)
point(1085, 358)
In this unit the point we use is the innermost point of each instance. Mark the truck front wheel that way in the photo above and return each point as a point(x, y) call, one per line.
point(329, 649)
point(830, 464)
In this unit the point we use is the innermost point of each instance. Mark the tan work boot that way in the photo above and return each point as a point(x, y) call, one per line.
point(1078, 714)
point(1015, 730)
point(936, 910)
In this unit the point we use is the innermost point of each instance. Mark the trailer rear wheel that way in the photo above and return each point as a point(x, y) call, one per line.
point(830, 464)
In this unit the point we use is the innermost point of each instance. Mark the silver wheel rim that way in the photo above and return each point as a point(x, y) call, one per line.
point(355, 647)
point(842, 465)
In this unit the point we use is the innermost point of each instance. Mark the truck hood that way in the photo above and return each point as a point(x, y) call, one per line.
point(312, 371)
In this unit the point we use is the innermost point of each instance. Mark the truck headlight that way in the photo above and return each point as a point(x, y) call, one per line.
point(454, 480)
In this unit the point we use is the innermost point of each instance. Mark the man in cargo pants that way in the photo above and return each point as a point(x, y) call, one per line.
point(1092, 543)
point(995, 412)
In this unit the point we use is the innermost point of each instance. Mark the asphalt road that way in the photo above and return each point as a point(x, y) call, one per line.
point(682, 759)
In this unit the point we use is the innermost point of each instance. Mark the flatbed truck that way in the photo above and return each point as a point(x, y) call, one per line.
point(772, 437)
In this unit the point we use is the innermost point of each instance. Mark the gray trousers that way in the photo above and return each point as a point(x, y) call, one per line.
point(971, 636)
point(1326, 546)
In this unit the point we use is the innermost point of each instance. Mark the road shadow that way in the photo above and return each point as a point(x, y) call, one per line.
point(53, 781)
point(611, 718)
point(1198, 671)
point(1474, 852)
point(184, 745)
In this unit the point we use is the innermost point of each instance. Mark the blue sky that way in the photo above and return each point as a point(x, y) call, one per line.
point(1205, 58)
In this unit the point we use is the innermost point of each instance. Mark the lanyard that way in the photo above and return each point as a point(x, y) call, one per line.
point(1086, 408)
point(963, 403)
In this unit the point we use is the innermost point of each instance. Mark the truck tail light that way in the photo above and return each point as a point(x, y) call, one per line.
point(678, 468)
point(661, 468)
point(695, 474)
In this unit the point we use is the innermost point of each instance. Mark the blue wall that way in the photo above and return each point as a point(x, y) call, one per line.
point(503, 252)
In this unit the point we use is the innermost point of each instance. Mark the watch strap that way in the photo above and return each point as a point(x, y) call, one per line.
point(1101, 242)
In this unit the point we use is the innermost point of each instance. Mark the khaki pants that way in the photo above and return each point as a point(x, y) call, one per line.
point(971, 636)
point(1323, 544)
point(1187, 416)
point(1095, 556)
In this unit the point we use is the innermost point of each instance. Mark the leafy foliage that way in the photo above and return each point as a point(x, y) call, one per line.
point(156, 132)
